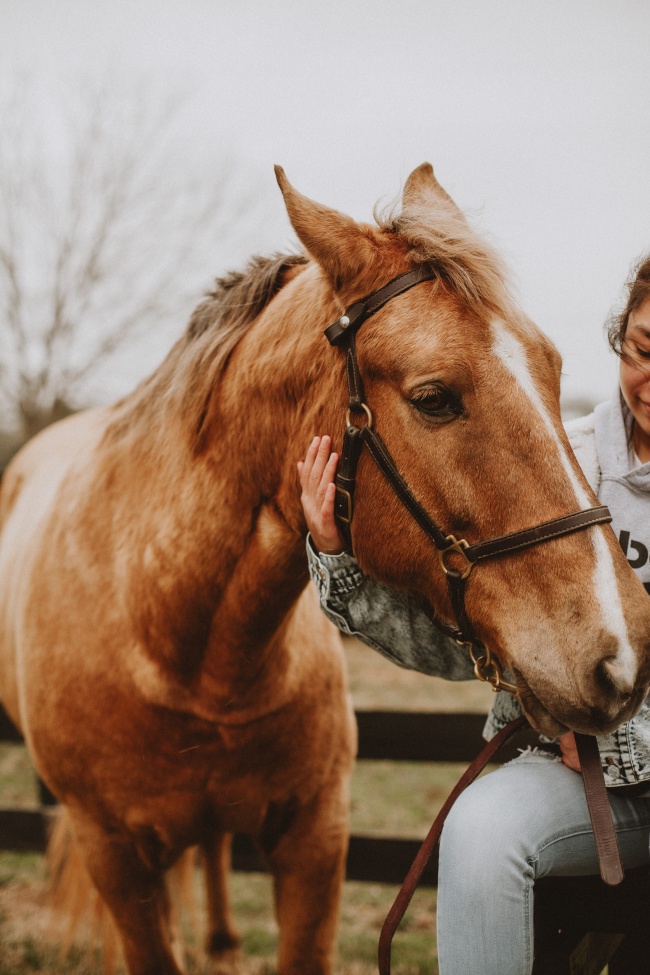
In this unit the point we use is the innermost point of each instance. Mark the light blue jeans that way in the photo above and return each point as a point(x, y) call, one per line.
point(526, 820)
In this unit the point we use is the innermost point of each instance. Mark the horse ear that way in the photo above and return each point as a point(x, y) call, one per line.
point(341, 246)
point(422, 187)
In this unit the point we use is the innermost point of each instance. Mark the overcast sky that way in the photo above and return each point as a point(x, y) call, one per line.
point(535, 115)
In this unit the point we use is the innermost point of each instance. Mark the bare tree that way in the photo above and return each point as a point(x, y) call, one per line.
point(109, 217)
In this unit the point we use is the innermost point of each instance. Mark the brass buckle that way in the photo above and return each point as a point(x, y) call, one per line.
point(458, 546)
point(347, 517)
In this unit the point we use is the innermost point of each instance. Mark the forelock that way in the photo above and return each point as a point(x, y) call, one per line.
point(439, 235)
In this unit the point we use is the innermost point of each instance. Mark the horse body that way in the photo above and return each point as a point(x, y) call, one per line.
point(223, 708)
point(173, 676)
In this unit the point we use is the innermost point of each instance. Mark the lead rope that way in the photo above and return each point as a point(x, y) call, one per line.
point(423, 855)
point(611, 869)
point(600, 813)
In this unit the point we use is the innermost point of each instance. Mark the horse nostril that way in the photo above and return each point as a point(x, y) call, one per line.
point(612, 674)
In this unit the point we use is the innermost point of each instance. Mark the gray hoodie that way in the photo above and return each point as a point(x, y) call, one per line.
point(625, 488)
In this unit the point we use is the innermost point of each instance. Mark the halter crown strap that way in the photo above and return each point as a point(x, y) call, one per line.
point(357, 314)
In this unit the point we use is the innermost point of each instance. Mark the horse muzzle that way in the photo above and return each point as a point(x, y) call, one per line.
point(602, 706)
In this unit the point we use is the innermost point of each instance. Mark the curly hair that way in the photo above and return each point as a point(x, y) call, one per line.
point(638, 291)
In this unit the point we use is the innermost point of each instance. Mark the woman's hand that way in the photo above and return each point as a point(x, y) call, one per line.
point(316, 473)
point(569, 751)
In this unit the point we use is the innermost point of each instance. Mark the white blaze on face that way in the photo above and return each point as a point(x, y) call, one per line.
point(509, 350)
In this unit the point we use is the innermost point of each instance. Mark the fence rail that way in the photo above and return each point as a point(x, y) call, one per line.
point(383, 735)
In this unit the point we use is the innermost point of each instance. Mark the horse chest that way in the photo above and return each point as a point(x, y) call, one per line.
point(226, 772)
point(253, 784)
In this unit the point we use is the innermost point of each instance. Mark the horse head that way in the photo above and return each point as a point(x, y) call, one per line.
point(464, 390)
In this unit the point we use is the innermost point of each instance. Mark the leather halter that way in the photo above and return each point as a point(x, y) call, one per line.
point(450, 550)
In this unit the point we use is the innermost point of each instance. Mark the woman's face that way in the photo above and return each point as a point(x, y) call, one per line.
point(635, 376)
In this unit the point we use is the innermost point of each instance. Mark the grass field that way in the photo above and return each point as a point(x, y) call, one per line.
point(387, 798)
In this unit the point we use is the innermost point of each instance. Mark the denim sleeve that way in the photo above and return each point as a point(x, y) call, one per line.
point(505, 708)
point(389, 621)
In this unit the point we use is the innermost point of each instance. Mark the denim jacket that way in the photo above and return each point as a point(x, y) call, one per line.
point(393, 623)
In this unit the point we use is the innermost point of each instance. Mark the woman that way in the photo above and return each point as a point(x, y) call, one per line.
point(529, 819)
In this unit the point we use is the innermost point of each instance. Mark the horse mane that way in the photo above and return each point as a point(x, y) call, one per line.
point(199, 357)
point(439, 234)
point(239, 297)
point(435, 233)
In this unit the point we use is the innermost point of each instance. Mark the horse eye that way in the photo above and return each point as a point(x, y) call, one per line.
point(438, 402)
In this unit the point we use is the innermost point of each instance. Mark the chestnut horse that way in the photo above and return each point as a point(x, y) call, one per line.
point(160, 647)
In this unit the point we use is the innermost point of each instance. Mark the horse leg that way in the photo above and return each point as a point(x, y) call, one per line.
point(135, 894)
point(308, 866)
point(222, 936)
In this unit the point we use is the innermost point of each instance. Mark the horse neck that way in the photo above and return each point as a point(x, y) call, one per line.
point(228, 516)
point(282, 384)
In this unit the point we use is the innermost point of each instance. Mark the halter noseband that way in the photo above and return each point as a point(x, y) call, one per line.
point(450, 549)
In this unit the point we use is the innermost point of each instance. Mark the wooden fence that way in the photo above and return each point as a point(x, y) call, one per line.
point(383, 735)
point(580, 924)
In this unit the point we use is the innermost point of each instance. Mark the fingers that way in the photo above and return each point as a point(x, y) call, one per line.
point(327, 477)
point(321, 462)
point(569, 751)
point(317, 473)
point(327, 508)
point(318, 468)
point(308, 463)
point(306, 466)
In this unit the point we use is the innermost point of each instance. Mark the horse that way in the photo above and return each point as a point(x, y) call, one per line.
point(161, 647)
